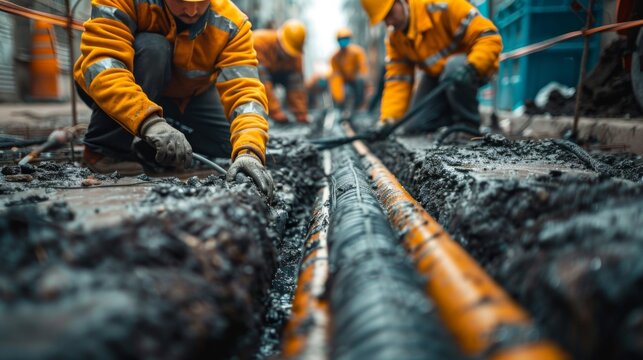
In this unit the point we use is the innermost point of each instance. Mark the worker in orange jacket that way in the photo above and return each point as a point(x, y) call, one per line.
point(280, 55)
point(448, 40)
point(179, 74)
point(349, 71)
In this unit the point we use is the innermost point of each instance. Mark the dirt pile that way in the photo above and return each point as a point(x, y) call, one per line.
point(607, 90)
point(184, 284)
point(561, 238)
point(187, 276)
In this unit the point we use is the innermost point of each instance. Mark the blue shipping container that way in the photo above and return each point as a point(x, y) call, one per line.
point(525, 22)
point(482, 5)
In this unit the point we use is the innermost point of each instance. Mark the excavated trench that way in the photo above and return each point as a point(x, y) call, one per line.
point(196, 268)
point(184, 269)
point(564, 240)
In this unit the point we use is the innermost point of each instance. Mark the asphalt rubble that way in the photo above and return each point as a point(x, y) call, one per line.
point(203, 268)
point(199, 269)
point(564, 240)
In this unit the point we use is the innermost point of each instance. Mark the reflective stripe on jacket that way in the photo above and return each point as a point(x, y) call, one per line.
point(217, 49)
point(347, 64)
point(437, 30)
point(272, 61)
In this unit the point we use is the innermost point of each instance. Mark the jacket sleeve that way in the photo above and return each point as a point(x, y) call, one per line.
point(481, 38)
point(296, 92)
point(104, 71)
point(363, 64)
point(336, 81)
point(242, 94)
point(398, 84)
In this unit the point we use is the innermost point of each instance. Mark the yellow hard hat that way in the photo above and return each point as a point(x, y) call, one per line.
point(377, 9)
point(292, 35)
point(344, 33)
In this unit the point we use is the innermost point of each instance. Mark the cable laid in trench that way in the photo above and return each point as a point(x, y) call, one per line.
point(484, 319)
point(306, 334)
point(379, 310)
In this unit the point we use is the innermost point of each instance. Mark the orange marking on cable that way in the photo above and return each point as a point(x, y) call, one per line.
point(306, 333)
point(469, 302)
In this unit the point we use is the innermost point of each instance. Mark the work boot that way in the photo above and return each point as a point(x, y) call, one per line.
point(105, 165)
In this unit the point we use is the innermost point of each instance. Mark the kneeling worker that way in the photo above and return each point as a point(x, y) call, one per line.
point(180, 74)
point(280, 53)
point(449, 41)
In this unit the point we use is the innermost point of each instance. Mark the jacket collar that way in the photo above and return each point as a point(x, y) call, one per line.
point(199, 27)
point(419, 20)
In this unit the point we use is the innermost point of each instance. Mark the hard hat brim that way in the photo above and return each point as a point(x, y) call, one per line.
point(382, 14)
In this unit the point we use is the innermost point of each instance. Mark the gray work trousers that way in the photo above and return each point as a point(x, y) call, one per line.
point(458, 104)
point(203, 122)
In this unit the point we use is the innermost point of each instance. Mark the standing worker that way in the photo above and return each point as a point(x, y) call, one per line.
point(180, 74)
point(280, 53)
point(349, 72)
point(449, 41)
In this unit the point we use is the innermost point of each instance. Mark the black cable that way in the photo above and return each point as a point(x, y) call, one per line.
point(458, 128)
point(587, 159)
point(382, 133)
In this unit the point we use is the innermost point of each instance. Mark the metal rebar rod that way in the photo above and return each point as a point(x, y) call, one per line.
point(583, 69)
point(72, 88)
point(207, 161)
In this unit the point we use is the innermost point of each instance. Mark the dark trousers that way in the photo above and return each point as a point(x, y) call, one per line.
point(458, 104)
point(203, 122)
point(354, 94)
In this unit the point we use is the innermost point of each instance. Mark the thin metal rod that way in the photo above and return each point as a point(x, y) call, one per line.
point(72, 88)
point(583, 69)
point(207, 161)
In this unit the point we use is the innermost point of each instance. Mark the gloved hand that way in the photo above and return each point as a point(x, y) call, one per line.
point(383, 128)
point(250, 165)
point(465, 74)
point(172, 148)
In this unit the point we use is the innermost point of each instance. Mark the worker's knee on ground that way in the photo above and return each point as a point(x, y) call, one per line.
point(154, 49)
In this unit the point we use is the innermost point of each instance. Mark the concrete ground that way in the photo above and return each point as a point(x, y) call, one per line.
point(607, 134)
point(33, 120)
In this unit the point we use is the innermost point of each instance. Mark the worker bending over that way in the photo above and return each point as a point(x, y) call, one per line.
point(448, 40)
point(349, 72)
point(180, 74)
point(280, 55)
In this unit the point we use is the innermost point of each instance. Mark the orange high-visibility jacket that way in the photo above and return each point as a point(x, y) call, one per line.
point(437, 30)
point(347, 64)
point(273, 61)
point(218, 50)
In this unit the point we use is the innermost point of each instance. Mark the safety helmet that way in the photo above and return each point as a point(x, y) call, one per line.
point(344, 33)
point(377, 9)
point(292, 35)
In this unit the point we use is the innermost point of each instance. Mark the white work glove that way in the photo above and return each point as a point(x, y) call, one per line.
point(172, 148)
point(250, 165)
